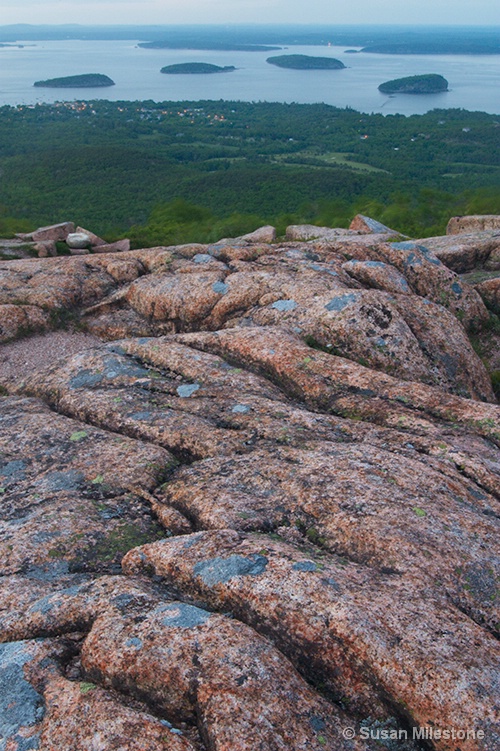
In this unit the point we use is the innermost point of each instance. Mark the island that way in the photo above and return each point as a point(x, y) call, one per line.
point(196, 68)
point(84, 81)
point(305, 62)
point(430, 83)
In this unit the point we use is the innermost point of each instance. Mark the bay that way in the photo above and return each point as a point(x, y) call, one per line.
point(473, 79)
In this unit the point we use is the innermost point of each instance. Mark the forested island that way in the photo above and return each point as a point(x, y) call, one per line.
point(84, 81)
point(196, 68)
point(430, 83)
point(306, 62)
point(173, 172)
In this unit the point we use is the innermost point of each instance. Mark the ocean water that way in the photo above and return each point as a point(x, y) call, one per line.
point(473, 80)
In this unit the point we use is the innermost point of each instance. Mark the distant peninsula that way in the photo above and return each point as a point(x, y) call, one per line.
point(224, 46)
point(436, 47)
point(430, 83)
point(84, 81)
point(196, 68)
point(306, 62)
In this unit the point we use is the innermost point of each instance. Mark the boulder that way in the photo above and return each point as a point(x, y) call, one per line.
point(116, 247)
point(77, 240)
point(366, 225)
point(46, 248)
point(493, 261)
point(379, 275)
point(463, 252)
point(265, 234)
point(95, 240)
point(55, 232)
point(490, 292)
point(305, 232)
point(475, 223)
point(429, 278)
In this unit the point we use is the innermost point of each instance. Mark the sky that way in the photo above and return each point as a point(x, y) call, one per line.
point(443, 12)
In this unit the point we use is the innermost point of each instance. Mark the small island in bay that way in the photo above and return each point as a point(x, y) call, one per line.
point(84, 81)
point(430, 83)
point(196, 68)
point(306, 62)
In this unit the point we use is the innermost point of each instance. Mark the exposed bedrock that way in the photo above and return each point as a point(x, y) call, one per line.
point(346, 625)
point(263, 514)
point(396, 308)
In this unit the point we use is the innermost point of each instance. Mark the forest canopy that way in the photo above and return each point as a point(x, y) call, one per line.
point(165, 172)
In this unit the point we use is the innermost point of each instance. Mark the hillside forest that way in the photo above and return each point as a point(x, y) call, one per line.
point(173, 172)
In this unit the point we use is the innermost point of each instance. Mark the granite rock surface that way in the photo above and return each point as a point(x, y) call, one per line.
point(262, 513)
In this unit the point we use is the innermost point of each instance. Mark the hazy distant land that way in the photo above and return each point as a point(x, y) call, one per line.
point(196, 68)
point(194, 45)
point(390, 39)
point(306, 62)
point(437, 47)
point(84, 81)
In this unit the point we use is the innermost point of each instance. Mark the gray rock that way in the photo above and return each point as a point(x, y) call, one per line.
point(20, 705)
point(78, 240)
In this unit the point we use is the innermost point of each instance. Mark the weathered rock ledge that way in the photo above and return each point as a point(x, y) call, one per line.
point(263, 513)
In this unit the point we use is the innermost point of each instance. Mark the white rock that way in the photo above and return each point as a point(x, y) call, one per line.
point(78, 240)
